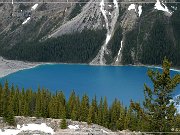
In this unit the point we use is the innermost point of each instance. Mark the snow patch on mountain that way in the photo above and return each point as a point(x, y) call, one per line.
point(132, 7)
point(103, 11)
point(140, 10)
point(34, 7)
point(104, 47)
point(162, 7)
point(119, 53)
point(110, 22)
point(26, 20)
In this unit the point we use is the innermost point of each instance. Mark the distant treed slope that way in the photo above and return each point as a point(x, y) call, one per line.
point(73, 48)
point(154, 37)
point(146, 38)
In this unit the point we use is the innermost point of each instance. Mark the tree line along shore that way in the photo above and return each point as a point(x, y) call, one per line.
point(157, 113)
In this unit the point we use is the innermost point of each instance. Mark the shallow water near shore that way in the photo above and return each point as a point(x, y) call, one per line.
point(122, 82)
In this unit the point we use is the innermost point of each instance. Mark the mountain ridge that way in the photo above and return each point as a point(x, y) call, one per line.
point(135, 33)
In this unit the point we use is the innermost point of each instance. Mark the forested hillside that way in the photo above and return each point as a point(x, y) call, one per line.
point(73, 48)
point(105, 32)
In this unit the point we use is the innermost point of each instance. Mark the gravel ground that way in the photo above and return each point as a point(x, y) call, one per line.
point(11, 66)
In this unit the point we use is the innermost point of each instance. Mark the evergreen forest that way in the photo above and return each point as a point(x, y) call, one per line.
point(156, 114)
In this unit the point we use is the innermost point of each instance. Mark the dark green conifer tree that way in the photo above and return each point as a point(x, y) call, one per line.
point(158, 110)
point(38, 103)
point(63, 122)
point(71, 106)
point(127, 119)
point(105, 117)
point(61, 102)
point(5, 98)
point(121, 119)
point(84, 108)
point(95, 112)
point(90, 115)
point(17, 102)
point(100, 112)
point(115, 114)
point(77, 109)
point(9, 117)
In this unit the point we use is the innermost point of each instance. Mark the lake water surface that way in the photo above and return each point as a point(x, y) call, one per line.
point(122, 82)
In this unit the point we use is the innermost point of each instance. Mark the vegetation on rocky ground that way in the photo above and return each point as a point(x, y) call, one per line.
point(157, 114)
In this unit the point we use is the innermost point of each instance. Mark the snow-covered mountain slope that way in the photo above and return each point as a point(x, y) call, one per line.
point(117, 31)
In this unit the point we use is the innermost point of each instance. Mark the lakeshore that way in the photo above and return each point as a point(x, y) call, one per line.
point(11, 66)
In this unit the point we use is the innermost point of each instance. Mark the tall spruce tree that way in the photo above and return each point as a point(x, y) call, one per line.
point(63, 122)
point(84, 108)
point(158, 110)
point(100, 112)
point(90, 115)
point(95, 108)
point(71, 105)
point(9, 117)
point(5, 98)
point(105, 113)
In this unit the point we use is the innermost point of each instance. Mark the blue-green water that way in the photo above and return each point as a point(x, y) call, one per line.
point(122, 82)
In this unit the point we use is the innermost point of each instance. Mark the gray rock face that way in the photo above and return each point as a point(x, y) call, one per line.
point(89, 18)
point(19, 23)
point(43, 20)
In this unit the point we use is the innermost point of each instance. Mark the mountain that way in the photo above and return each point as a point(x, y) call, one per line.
point(91, 31)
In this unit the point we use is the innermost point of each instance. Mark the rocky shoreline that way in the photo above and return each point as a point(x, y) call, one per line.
point(11, 66)
point(83, 127)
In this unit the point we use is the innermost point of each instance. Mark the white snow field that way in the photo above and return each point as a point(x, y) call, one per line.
point(29, 127)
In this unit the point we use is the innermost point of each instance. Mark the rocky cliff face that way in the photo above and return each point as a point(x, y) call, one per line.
point(136, 32)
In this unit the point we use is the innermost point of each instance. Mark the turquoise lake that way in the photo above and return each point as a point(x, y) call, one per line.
point(122, 82)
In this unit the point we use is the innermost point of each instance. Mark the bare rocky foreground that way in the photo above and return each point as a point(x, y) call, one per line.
point(82, 128)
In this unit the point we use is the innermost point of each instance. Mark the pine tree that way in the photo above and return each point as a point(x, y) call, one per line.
point(100, 112)
point(63, 122)
point(5, 98)
point(95, 112)
point(51, 108)
point(158, 111)
point(75, 110)
point(9, 117)
point(71, 105)
point(115, 114)
point(17, 102)
point(121, 119)
point(61, 102)
point(45, 98)
point(90, 115)
point(84, 108)
point(38, 104)
point(78, 106)
point(105, 117)
point(127, 119)
point(23, 103)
